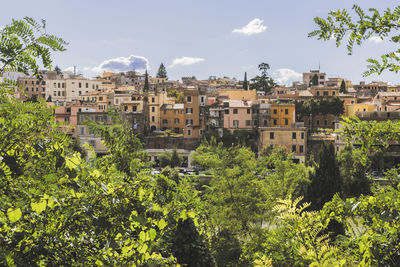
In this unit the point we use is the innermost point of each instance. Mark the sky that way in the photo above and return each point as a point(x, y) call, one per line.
point(201, 38)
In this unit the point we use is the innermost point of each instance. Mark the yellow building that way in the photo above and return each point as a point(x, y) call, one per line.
point(282, 115)
point(293, 139)
point(172, 117)
point(155, 101)
point(238, 94)
point(351, 109)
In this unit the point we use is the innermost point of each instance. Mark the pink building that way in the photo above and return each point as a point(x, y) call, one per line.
point(237, 115)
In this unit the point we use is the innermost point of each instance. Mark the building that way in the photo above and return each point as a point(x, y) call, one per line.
point(293, 139)
point(307, 77)
point(282, 115)
point(172, 117)
point(238, 115)
point(194, 124)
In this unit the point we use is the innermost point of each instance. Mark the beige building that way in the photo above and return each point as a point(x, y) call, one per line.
point(307, 77)
point(238, 94)
point(293, 139)
point(156, 101)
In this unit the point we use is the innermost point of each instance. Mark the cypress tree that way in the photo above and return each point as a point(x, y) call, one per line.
point(314, 80)
point(146, 82)
point(245, 83)
point(326, 181)
point(343, 87)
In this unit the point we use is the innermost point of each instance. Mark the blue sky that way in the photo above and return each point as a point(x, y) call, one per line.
point(122, 34)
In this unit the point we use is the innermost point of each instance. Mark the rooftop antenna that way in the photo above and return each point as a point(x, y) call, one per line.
point(319, 66)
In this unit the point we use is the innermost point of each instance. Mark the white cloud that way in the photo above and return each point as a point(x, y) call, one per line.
point(253, 27)
point(286, 76)
point(375, 39)
point(120, 64)
point(185, 61)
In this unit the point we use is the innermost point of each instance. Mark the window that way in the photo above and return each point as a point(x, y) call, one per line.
point(100, 98)
point(317, 122)
point(87, 85)
point(286, 122)
point(165, 121)
point(134, 108)
point(153, 119)
point(55, 85)
point(325, 122)
point(63, 85)
point(248, 111)
point(255, 122)
point(333, 93)
point(275, 111)
point(37, 89)
point(126, 108)
point(201, 132)
point(80, 85)
point(294, 135)
point(227, 111)
point(176, 120)
point(153, 109)
point(302, 135)
point(188, 99)
point(153, 100)
point(265, 123)
point(80, 93)
point(293, 148)
point(275, 122)
point(271, 135)
point(58, 85)
point(82, 130)
point(236, 123)
point(286, 111)
point(248, 122)
point(317, 93)
point(189, 122)
point(301, 148)
point(235, 111)
point(63, 93)
point(189, 132)
point(326, 93)
point(58, 93)
point(189, 110)
point(92, 117)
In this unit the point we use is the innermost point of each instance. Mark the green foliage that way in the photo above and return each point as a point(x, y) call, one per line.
point(25, 41)
point(245, 83)
point(162, 72)
point(326, 181)
point(353, 173)
point(239, 137)
point(179, 96)
point(146, 86)
point(170, 159)
point(322, 106)
point(263, 82)
point(340, 25)
point(314, 80)
point(343, 87)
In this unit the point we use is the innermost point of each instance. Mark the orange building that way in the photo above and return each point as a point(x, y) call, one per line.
point(172, 117)
point(282, 115)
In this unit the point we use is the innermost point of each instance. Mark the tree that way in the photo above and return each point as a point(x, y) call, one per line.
point(58, 70)
point(146, 82)
point(353, 173)
point(170, 159)
point(343, 87)
point(49, 99)
point(245, 84)
point(263, 82)
point(25, 41)
point(162, 72)
point(314, 80)
point(326, 181)
point(341, 26)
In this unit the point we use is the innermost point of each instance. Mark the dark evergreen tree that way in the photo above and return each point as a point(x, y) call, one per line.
point(245, 83)
point(326, 181)
point(343, 88)
point(162, 72)
point(263, 82)
point(49, 99)
point(314, 80)
point(189, 247)
point(176, 160)
point(146, 82)
point(57, 70)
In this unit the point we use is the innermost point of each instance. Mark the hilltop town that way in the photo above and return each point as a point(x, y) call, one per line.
point(171, 114)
